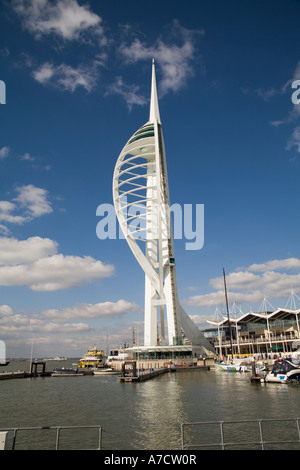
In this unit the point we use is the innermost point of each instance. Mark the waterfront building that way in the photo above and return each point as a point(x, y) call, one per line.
point(262, 333)
point(142, 204)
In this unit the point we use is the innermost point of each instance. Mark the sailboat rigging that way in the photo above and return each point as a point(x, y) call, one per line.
point(229, 322)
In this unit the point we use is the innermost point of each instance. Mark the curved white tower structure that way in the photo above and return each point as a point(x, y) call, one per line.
point(141, 199)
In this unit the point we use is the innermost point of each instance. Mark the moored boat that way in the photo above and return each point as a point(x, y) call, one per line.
point(285, 371)
point(65, 372)
point(229, 367)
point(93, 358)
point(239, 365)
point(106, 371)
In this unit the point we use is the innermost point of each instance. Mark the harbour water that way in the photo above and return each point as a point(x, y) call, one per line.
point(136, 416)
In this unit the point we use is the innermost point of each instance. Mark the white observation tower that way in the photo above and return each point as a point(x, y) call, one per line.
point(142, 203)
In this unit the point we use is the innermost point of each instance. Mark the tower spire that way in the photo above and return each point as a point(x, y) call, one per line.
point(154, 109)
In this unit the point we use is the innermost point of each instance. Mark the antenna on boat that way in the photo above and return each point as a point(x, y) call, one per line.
point(229, 323)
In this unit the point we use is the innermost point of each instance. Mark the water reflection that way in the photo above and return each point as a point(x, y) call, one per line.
point(160, 409)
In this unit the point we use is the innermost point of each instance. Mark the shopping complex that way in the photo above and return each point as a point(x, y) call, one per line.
point(256, 333)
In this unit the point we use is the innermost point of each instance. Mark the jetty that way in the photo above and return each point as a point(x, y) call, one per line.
point(12, 375)
point(130, 373)
point(37, 369)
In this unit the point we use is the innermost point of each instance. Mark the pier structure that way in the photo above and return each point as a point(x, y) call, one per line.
point(37, 368)
point(142, 204)
point(131, 372)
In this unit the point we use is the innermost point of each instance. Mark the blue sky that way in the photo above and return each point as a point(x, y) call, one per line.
point(77, 78)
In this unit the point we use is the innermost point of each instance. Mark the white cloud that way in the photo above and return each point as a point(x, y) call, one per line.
point(64, 18)
point(13, 324)
point(87, 311)
point(4, 152)
point(16, 252)
point(201, 320)
point(4, 230)
point(67, 20)
point(55, 272)
point(130, 93)
point(288, 263)
point(35, 263)
point(27, 157)
point(6, 209)
point(192, 288)
point(175, 60)
point(65, 77)
point(34, 200)
point(215, 299)
point(270, 92)
point(31, 202)
point(237, 280)
point(5, 310)
point(294, 140)
point(251, 285)
point(66, 331)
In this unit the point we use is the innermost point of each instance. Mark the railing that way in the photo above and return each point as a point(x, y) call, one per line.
point(258, 339)
point(264, 434)
point(58, 430)
point(243, 435)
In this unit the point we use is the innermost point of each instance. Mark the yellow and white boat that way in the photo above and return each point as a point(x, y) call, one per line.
point(93, 358)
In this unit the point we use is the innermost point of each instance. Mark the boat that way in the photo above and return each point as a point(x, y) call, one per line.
point(106, 371)
point(57, 358)
point(232, 366)
point(93, 358)
point(117, 355)
point(240, 365)
point(285, 370)
point(65, 372)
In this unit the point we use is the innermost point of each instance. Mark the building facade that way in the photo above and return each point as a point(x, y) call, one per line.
point(256, 333)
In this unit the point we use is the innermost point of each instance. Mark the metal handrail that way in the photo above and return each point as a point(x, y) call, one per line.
point(58, 430)
point(223, 445)
point(254, 341)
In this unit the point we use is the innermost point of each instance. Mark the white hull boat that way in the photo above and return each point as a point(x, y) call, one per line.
point(239, 366)
point(285, 371)
point(108, 371)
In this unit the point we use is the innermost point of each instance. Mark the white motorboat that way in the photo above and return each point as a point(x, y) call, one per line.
point(229, 367)
point(106, 371)
point(285, 371)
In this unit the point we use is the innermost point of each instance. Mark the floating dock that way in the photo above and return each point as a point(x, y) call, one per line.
point(141, 376)
point(37, 369)
point(130, 372)
point(12, 375)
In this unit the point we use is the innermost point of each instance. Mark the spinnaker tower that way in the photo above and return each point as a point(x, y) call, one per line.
point(142, 203)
